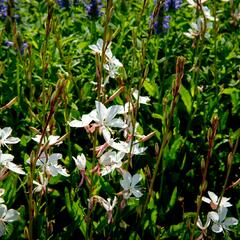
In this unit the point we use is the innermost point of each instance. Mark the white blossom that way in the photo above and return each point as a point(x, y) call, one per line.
point(126, 147)
point(110, 161)
point(222, 223)
point(42, 184)
point(142, 99)
point(105, 117)
point(6, 161)
point(104, 203)
point(50, 164)
point(197, 28)
point(195, 4)
point(7, 216)
point(5, 139)
point(52, 140)
point(97, 48)
point(80, 162)
point(129, 184)
point(213, 200)
point(85, 121)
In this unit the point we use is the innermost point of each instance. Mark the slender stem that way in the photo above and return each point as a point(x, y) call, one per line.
point(229, 163)
point(168, 131)
point(211, 136)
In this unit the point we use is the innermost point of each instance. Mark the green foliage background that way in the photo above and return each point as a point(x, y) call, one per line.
point(210, 87)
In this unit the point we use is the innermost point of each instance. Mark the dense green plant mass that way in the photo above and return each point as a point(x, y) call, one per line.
point(119, 119)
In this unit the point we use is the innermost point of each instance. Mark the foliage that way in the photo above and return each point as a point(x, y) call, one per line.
point(165, 102)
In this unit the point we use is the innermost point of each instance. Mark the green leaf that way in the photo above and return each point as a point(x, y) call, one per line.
point(151, 88)
point(158, 116)
point(186, 98)
point(229, 91)
point(173, 199)
point(154, 215)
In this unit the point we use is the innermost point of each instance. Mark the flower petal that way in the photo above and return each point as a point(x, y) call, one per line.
point(217, 228)
point(5, 158)
point(222, 212)
point(136, 193)
point(5, 132)
point(213, 197)
point(3, 210)
point(136, 179)
point(12, 140)
point(230, 221)
point(112, 112)
point(15, 168)
point(101, 111)
point(53, 158)
point(225, 203)
point(12, 215)
point(127, 179)
point(213, 216)
point(117, 122)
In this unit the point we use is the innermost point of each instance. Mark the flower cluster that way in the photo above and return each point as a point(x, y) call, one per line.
point(23, 46)
point(47, 163)
point(11, 215)
point(112, 64)
point(201, 27)
point(121, 137)
point(3, 9)
point(175, 4)
point(63, 3)
point(161, 21)
point(7, 216)
point(94, 8)
point(6, 158)
point(218, 217)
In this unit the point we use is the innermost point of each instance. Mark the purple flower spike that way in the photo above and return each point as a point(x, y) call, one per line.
point(167, 4)
point(177, 4)
point(8, 43)
point(166, 21)
point(94, 8)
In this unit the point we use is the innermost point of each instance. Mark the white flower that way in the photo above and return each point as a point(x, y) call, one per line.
point(97, 49)
point(80, 162)
point(42, 184)
point(214, 201)
point(112, 70)
point(105, 117)
point(129, 183)
point(50, 164)
point(126, 147)
point(207, 13)
point(206, 225)
point(210, 216)
point(112, 63)
point(194, 4)
point(197, 28)
point(85, 121)
point(5, 139)
point(110, 161)
point(52, 140)
point(104, 203)
point(7, 216)
point(142, 99)
point(222, 223)
point(6, 161)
